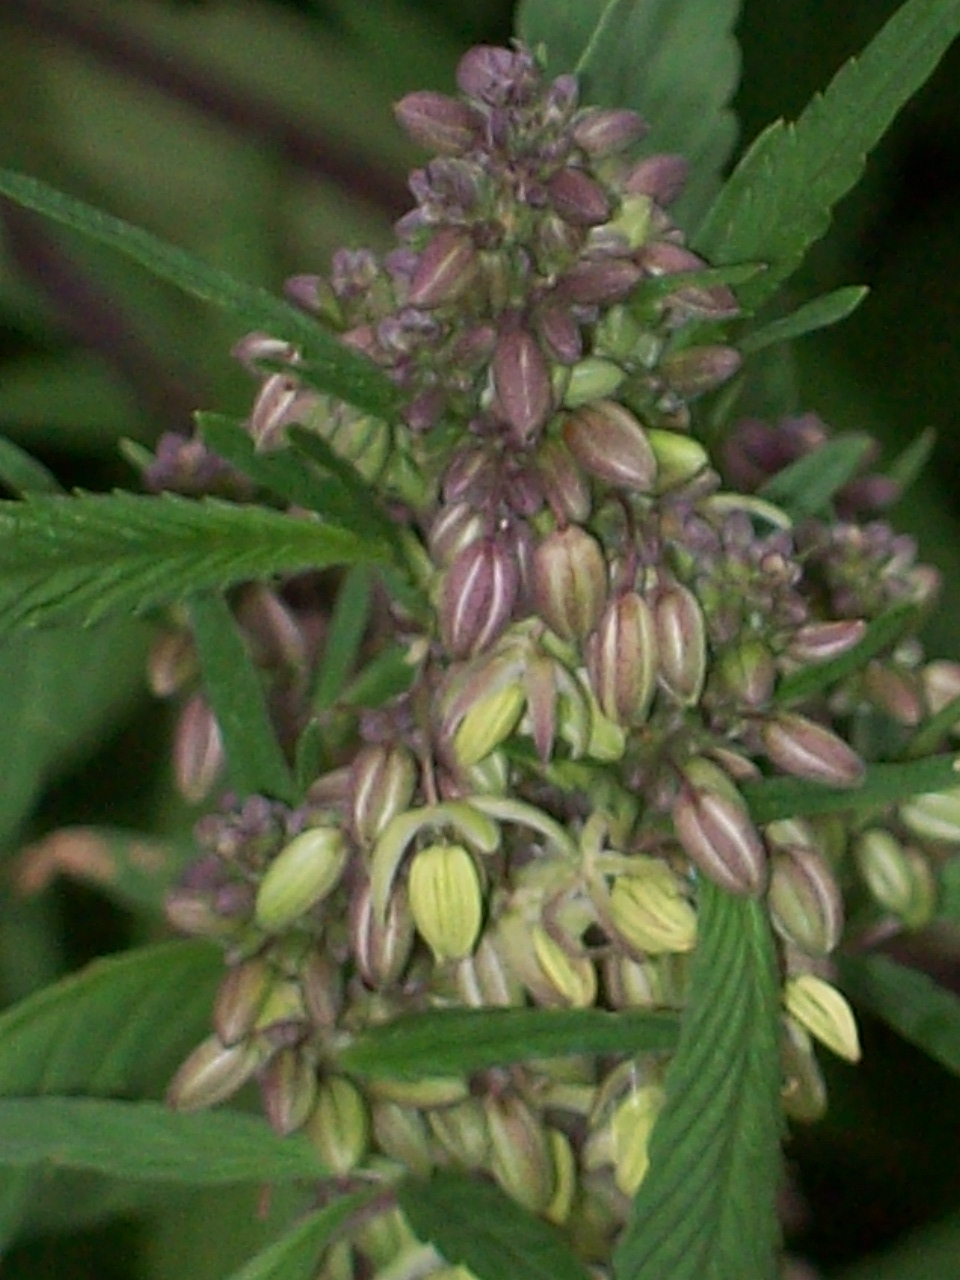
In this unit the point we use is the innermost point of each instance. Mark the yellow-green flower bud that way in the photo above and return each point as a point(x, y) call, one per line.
point(402, 1134)
point(898, 876)
point(302, 874)
point(565, 1178)
point(446, 900)
point(462, 1132)
point(288, 1087)
point(825, 1013)
point(650, 913)
point(804, 1094)
point(425, 1092)
point(631, 1126)
point(679, 458)
point(488, 722)
point(339, 1125)
point(805, 900)
point(572, 978)
point(592, 379)
point(239, 999)
point(382, 784)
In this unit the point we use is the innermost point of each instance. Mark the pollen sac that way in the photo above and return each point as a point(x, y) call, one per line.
point(382, 783)
point(622, 659)
point(650, 913)
point(521, 1159)
point(807, 750)
point(339, 1125)
point(714, 827)
point(445, 270)
point(898, 876)
point(805, 901)
point(439, 123)
point(609, 443)
point(681, 642)
point(446, 900)
point(569, 582)
point(522, 382)
point(477, 596)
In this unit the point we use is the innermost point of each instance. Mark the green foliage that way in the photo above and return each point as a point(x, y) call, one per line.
point(22, 473)
point(148, 1142)
point(344, 373)
point(458, 1041)
point(705, 1210)
point(80, 559)
point(917, 1008)
point(475, 1225)
point(235, 690)
point(882, 633)
point(348, 622)
point(883, 785)
point(118, 1027)
point(817, 314)
point(808, 486)
point(778, 201)
point(294, 1256)
point(675, 63)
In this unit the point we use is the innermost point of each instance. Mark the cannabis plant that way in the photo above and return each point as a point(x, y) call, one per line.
point(566, 743)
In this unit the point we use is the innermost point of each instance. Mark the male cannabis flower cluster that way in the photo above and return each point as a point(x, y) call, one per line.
point(599, 664)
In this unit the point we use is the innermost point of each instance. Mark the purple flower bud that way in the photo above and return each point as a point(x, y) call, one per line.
point(820, 641)
point(594, 282)
point(382, 783)
point(560, 333)
point(807, 750)
point(494, 75)
point(716, 831)
point(288, 1089)
point(438, 122)
point(540, 686)
point(805, 902)
point(694, 370)
point(445, 271)
point(603, 132)
point(564, 484)
point(609, 442)
point(239, 999)
point(661, 177)
point(569, 582)
point(748, 673)
point(381, 948)
point(622, 659)
point(477, 597)
point(522, 382)
point(895, 691)
point(455, 527)
point(578, 199)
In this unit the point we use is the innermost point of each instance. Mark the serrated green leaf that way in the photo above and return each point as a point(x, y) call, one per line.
point(295, 1255)
point(345, 373)
point(286, 475)
point(118, 1027)
point(456, 1041)
point(22, 473)
point(474, 1224)
point(81, 558)
point(148, 1142)
point(706, 1209)
point(235, 691)
point(822, 312)
point(129, 868)
point(883, 785)
point(674, 61)
point(879, 635)
point(916, 1007)
point(778, 201)
point(344, 636)
point(362, 494)
point(807, 486)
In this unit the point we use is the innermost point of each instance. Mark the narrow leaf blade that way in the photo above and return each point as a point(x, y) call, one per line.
point(780, 197)
point(474, 1224)
point(808, 486)
point(22, 473)
point(236, 695)
point(148, 1142)
point(706, 1209)
point(344, 637)
point(345, 373)
point(454, 1041)
point(820, 313)
point(882, 632)
point(883, 785)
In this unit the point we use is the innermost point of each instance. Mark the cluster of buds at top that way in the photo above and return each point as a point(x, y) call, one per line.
point(605, 659)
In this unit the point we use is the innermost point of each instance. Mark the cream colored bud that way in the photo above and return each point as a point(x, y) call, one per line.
point(462, 1132)
point(521, 1158)
point(650, 912)
point(565, 1178)
point(572, 978)
point(288, 1087)
point(935, 815)
point(825, 1013)
point(402, 1134)
point(804, 1093)
point(339, 1125)
point(302, 874)
point(425, 1092)
point(446, 900)
point(898, 876)
point(679, 458)
point(805, 900)
point(212, 1073)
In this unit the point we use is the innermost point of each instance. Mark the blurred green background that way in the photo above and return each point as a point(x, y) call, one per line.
point(259, 136)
